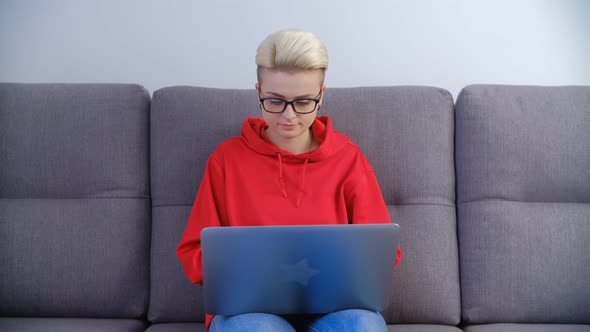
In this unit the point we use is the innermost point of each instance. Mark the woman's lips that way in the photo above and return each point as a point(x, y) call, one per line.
point(288, 126)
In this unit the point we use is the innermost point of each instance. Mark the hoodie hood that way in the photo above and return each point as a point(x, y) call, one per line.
point(329, 141)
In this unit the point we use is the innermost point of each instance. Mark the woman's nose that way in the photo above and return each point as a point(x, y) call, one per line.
point(289, 112)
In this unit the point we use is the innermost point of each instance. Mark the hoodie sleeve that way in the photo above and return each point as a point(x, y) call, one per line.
point(367, 205)
point(207, 211)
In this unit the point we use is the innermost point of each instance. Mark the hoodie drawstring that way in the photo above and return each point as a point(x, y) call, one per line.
point(301, 182)
point(301, 186)
point(281, 174)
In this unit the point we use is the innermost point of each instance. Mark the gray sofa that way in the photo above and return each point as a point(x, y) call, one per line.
point(492, 194)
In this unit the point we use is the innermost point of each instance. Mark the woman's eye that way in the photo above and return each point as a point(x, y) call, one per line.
point(303, 102)
point(276, 101)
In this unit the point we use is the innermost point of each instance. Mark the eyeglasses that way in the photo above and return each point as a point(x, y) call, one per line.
point(300, 106)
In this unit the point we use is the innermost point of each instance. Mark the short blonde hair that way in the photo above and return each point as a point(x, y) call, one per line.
point(292, 49)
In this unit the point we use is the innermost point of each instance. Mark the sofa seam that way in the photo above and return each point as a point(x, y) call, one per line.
point(515, 201)
point(65, 198)
point(434, 204)
point(398, 204)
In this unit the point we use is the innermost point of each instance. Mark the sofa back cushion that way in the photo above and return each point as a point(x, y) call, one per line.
point(187, 124)
point(74, 200)
point(523, 171)
point(405, 132)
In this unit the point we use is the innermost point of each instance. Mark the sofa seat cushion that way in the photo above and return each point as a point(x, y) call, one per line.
point(421, 328)
point(27, 324)
point(177, 327)
point(200, 327)
point(527, 328)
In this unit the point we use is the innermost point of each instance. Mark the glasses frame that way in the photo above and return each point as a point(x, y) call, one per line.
point(292, 103)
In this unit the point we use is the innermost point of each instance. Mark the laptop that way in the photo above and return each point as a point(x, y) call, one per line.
point(312, 269)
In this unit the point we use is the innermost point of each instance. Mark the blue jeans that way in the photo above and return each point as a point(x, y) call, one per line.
point(351, 320)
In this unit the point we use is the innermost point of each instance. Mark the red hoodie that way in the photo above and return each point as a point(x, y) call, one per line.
point(249, 181)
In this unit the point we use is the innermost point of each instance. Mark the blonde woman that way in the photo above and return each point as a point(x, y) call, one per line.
point(289, 167)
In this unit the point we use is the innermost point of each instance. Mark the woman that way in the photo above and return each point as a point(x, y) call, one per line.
point(289, 168)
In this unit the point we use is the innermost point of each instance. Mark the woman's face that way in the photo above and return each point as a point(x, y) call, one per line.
point(289, 84)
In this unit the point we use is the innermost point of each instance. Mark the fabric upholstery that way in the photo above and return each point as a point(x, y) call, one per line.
point(414, 166)
point(74, 200)
point(407, 135)
point(172, 297)
point(70, 140)
point(527, 328)
point(177, 327)
point(187, 124)
point(96, 189)
point(523, 164)
point(421, 328)
point(198, 327)
point(70, 325)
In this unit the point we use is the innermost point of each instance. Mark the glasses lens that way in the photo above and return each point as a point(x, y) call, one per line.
point(304, 105)
point(274, 105)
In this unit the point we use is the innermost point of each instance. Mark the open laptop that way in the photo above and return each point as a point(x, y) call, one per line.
point(298, 269)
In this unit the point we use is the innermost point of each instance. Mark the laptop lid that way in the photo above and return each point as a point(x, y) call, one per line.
point(308, 269)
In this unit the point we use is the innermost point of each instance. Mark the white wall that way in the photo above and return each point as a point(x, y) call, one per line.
point(212, 43)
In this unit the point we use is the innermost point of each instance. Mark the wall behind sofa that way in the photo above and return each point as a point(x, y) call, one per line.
point(372, 42)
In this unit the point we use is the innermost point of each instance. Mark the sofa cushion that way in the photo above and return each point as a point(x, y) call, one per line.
point(527, 328)
point(405, 132)
point(70, 325)
point(70, 140)
point(177, 327)
point(74, 200)
point(523, 164)
point(200, 327)
point(421, 328)
point(187, 124)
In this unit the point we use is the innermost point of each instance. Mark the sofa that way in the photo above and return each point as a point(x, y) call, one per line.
point(492, 193)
